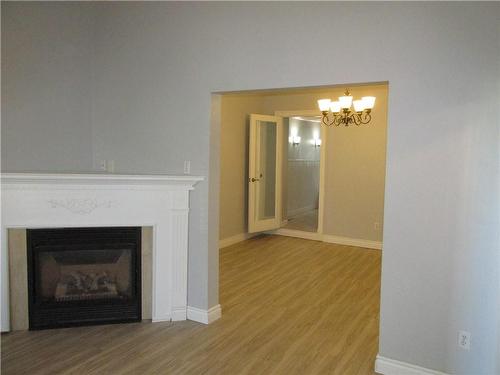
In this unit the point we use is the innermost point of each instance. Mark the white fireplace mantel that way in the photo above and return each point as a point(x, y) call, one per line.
point(32, 200)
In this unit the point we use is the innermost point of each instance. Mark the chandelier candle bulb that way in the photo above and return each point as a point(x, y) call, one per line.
point(369, 101)
point(345, 101)
point(334, 107)
point(324, 104)
point(359, 105)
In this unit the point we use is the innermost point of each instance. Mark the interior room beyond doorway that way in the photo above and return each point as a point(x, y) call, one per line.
point(350, 195)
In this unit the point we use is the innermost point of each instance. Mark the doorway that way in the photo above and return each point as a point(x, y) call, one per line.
point(302, 173)
point(345, 204)
point(285, 174)
point(345, 208)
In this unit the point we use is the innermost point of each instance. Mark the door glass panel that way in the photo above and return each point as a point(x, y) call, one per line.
point(267, 171)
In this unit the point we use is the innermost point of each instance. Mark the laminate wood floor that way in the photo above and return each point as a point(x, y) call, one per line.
point(307, 221)
point(290, 306)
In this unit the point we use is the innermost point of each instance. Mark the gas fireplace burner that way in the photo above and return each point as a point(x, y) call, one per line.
point(83, 276)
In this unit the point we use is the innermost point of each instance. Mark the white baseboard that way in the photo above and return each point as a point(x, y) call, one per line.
point(387, 366)
point(204, 316)
point(352, 242)
point(235, 239)
point(297, 233)
point(179, 314)
point(328, 238)
point(306, 235)
point(164, 318)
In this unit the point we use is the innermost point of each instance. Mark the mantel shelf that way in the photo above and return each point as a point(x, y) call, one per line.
point(98, 179)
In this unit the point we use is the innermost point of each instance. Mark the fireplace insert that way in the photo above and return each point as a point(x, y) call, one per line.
point(83, 276)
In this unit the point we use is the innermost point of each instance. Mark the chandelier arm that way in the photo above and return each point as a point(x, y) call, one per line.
point(338, 120)
point(326, 120)
point(356, 118)
point(367, 117)
point(345, 119)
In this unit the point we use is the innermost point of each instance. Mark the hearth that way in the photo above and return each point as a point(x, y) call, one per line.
point(83, 276)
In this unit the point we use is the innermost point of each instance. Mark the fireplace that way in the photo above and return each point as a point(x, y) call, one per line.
point(44, 200)
point(83, 276)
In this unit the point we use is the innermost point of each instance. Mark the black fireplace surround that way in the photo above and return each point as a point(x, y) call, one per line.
point(83, 276)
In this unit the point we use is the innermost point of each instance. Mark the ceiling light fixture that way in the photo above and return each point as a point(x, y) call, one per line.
point(339, 112)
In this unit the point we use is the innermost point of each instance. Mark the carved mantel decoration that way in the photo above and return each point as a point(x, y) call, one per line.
point(79, 206)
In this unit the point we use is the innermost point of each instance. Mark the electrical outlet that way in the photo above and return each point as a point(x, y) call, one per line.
point(187, 166)
point(464, 340)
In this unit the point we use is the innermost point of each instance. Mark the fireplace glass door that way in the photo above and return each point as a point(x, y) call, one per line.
point(84, 275)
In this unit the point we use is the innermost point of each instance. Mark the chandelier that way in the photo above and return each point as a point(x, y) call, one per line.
point(339, 112)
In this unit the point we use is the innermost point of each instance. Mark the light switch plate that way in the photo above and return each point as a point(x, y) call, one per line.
point(187, 166)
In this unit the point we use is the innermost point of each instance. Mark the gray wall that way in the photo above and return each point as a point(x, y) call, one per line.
point(157, 63)
point(46, 87)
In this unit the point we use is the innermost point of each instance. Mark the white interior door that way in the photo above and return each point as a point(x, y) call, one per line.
point(264, 173)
